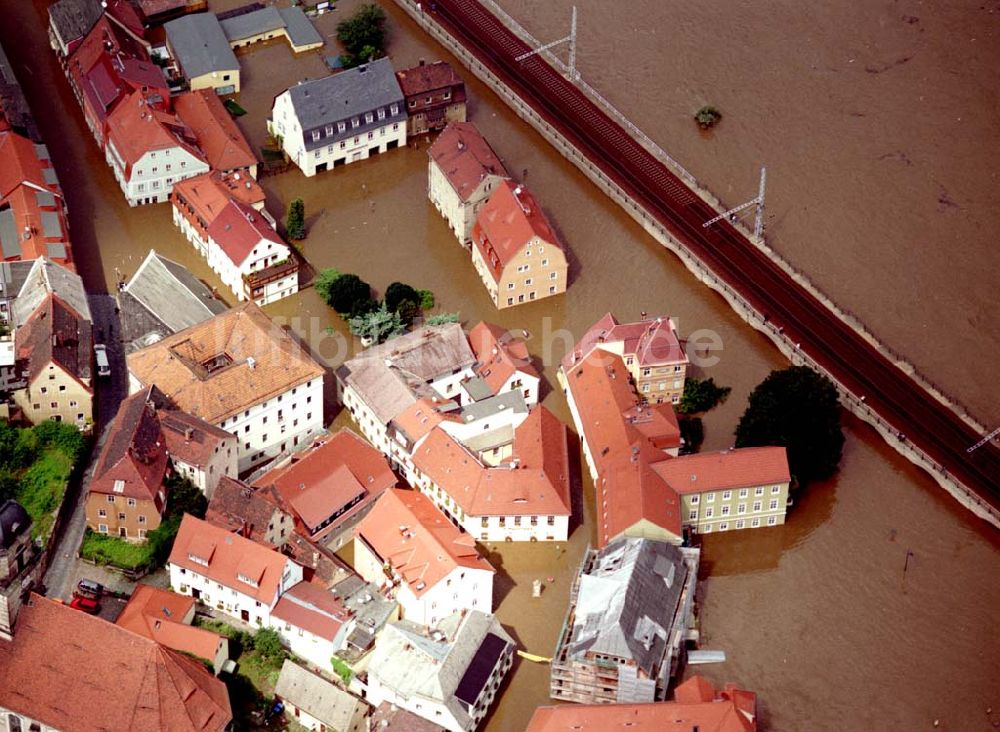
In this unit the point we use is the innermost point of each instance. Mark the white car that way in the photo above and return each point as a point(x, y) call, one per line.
point(101, 355)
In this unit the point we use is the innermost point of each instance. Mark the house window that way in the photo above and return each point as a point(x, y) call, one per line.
point(725, 510)
point(121, 516)
point(694, 500)
point(744, 492)
point(142, 533)
point(726, 495)
point(754, 523)
point(395, 126)
point(510, 301)
point(102, 528)
point(693, 514)
point(775, 490)
point(742, 508)
point(758, 491)
point(552, 290)
point(772, 520)
point(709, 512)
point(131, 501)
point(142, 519)
point(111, 499)
point(486, 522)
point(446, 96)
point(54, 405)
point(724, 526)
point(503, 520)
point(740, 524)
point(774, 505)
point(343, 145)
point(756, 506)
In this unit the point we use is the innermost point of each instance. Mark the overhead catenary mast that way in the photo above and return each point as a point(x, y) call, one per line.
point(758, 229)
point(571, 39)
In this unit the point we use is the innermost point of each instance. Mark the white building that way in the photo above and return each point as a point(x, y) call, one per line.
point(313, 622)
point(453, 414)
point(462, 173)
point(198, 451)
point(149, 150)
point(430, 567)
point(340, 119)
point(316, 704)
point(248, 255)
point(228, 572)
point(449, 675)
point(242, 373)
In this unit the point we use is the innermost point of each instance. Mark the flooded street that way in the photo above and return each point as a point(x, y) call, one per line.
point(876, 189)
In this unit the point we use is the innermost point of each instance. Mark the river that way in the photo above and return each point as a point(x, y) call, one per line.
point(876, 189)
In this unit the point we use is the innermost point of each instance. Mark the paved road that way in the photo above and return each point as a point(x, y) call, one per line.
point(65, 568)
point(821, 335)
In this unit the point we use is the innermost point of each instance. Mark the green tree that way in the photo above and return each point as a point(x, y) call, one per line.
point(363, 35)
point(185, 497)
point(343, 292)
point(295, 221)
point(397, 292)
point(700, 395)
point(799, 410)
point(426, 299)
point(378, 325)
point(442, 318)
point(267, 643)
point(693, 434)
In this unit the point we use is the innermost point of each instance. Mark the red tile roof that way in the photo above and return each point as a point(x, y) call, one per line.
point(465, 158)
point(509, 220)
point(237, 507)
point(228, 555)
point(22, 179)
point(238, 229)
point(652, 342)
point(737, 468)
point(79, 673)
point(429, 77)
point(135, 128)
point(209, 193)
point(538, 486)
point(159, 614)
point(326, 476)
point(219, 138)
point(134, 457)
point(697, 706)
point(623, 451)
point(409, 532)
point(313, 609)
point(189, 439)
point(500, 355)
point(56, 333)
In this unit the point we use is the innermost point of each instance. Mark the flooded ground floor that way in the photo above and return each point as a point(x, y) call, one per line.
point(816, 616)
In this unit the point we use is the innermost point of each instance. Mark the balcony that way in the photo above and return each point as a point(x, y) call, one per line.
point(279, 270)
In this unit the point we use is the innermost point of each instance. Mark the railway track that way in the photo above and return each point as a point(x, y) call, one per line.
point(818, 332)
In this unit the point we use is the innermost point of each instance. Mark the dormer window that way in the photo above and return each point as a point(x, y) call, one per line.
point(369, 117)
point(355, 122)
point(394, 109)
point(198, 560)
point(315, 135)
point(119, 486)
point(246, 580)
point(329, 130)
point(341, 126)
point(381, 113)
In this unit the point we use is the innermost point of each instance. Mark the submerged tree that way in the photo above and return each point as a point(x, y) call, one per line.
point(377, 326)
point(799, 410)
point(295, 221)
point(363, 35)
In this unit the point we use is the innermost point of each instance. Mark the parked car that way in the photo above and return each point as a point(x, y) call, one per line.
point(101, 355)
point(89, 588)
point(85, 604)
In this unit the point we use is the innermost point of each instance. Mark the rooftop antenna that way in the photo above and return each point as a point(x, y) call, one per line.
point(571, 39)
point(758, 229)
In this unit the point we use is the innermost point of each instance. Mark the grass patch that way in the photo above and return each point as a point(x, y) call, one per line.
point(259, 658)
point(342, 669)
point(104, 549)
point(36, 464)
point(234, 109)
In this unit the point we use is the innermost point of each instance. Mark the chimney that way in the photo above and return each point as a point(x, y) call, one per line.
point(421, 62)
point(188, 434)
point(251, 362)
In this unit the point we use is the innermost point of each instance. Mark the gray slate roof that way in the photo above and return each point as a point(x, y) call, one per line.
point(392, 376)
point(12, 277)
point(627, 601)
point(44, 277)
point(15, 106)
point(73, 19)
point(10, 237)
point(413, 664)
point(163, 297)
point(300, 30)
point(317, 697)
point(344, 96)
point(14, 521)
point(200, 45)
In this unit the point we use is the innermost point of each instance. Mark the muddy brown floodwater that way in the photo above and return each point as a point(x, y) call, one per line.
point(878, 124)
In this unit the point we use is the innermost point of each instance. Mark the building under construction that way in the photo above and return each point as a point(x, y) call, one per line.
point(631, 609)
